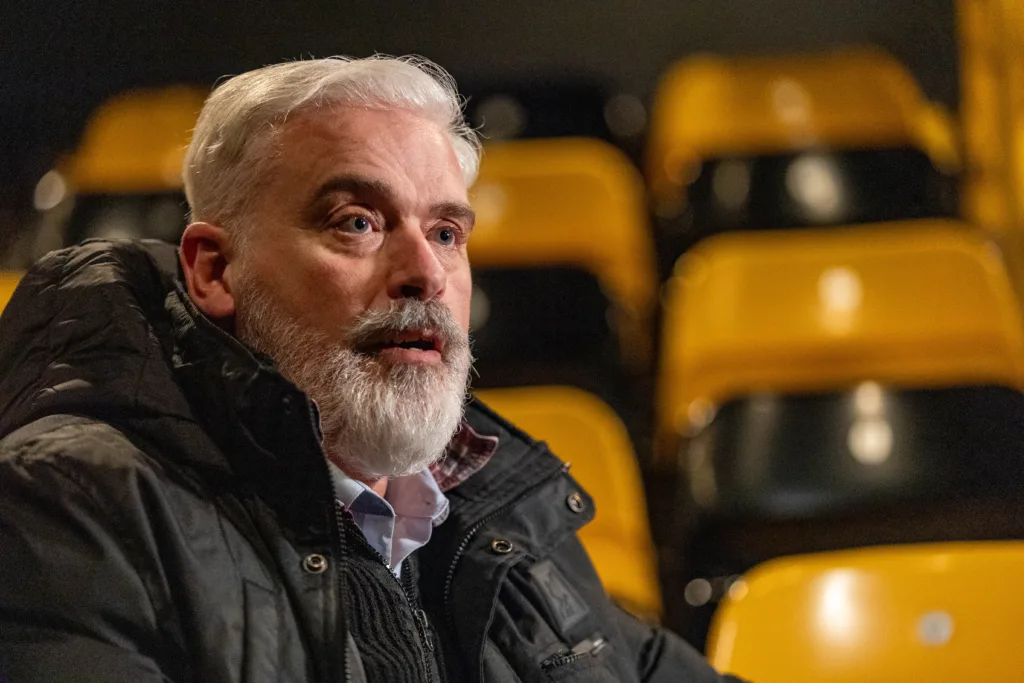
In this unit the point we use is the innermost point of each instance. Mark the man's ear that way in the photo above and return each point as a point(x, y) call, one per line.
point(206, 261)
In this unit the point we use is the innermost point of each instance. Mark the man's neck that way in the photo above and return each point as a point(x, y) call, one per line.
point(378, 486)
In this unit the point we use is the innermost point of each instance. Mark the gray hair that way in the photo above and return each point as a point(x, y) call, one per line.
point(237, 126)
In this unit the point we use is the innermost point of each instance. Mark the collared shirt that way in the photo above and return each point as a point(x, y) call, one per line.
point(466, 454)
point(398, 523)
point(403, 519)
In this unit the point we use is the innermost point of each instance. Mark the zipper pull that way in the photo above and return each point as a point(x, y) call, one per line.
point(424, 623)
point(590, 646)
point(586, 648)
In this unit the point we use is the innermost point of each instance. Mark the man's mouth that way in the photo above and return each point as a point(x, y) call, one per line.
point(409, 346)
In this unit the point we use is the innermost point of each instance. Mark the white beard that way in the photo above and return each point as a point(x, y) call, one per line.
point(378, 419)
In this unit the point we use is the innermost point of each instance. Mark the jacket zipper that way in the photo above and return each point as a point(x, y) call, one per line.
point(588, 648)
point(468, 537)
point(561, 659)
point(419, 616)
point(337, 550)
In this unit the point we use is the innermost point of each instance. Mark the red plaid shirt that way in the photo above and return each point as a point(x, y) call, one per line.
point(467, 453)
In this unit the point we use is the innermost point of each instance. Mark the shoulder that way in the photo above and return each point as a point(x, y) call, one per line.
point(485, 420)
point(70, 441)
point(63, 455)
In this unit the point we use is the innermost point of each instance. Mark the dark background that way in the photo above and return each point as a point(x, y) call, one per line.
point(59, 60)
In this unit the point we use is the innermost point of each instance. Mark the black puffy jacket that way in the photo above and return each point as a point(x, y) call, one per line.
point(162, 490)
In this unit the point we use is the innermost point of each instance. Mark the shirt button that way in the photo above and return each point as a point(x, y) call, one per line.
point(314, 563)
point(575, 502)
point(501, 546)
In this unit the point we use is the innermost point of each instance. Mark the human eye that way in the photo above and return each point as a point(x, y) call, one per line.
point(354, 224)
point(448, 235)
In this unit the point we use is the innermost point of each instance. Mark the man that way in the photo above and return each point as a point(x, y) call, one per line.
point(249, 460)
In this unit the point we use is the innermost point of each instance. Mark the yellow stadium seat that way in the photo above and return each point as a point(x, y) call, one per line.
point(125, 175)
point(812, 378)
point(816, 140)
point(584, 431)
point(906, 304)
point(991, 56)
point(136, 142)
point(8, 281)
point(941, 612)
point(575, 203)
point(709, 106)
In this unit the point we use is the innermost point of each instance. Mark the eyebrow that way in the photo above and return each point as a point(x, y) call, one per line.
point(356, 185)
point(457, 211)
point(362, 186)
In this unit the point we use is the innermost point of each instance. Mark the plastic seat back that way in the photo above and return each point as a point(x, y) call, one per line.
point(943, 612)
point(799, 141)
point(569, 203)
point(136, 142)
point(709, 107)
point(8, 282)
point(585, 432)
point(545, 325)
point(125, 175)
point(508, 111)
point(925, 304)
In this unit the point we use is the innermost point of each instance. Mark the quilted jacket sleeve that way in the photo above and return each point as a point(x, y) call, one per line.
point(73, 603)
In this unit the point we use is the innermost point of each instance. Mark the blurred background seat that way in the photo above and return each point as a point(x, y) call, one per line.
point(908, 613)
point(563, 266)
point(555, 107)
point(538, 109)
point(586, 432)
point(809, 378)
point(917, 303)
point(124, 178)
point(8, 281)
point(778, 142)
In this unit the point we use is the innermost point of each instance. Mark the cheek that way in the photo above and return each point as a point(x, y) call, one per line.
point(334, 294)
point(459, 295)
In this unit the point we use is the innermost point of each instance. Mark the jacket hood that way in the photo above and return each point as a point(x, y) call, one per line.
point(105, 330)
point(87, 333)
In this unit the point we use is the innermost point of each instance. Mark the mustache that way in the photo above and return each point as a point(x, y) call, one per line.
point(373, 327)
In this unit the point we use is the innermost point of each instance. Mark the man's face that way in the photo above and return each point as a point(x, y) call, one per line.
point(354, 278)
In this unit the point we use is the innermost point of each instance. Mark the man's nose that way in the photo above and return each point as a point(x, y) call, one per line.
point(415, 271)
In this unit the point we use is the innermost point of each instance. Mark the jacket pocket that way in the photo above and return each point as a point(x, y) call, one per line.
point(545, 630)
point(261, 643)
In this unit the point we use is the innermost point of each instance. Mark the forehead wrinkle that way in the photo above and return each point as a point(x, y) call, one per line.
point(356, 184)
point(359, 185)
point(376, 162)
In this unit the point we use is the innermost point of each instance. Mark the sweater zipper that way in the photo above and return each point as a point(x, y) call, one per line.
point(423, 621)
point(471, 533)
point(341, 631)
point(419, 616)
